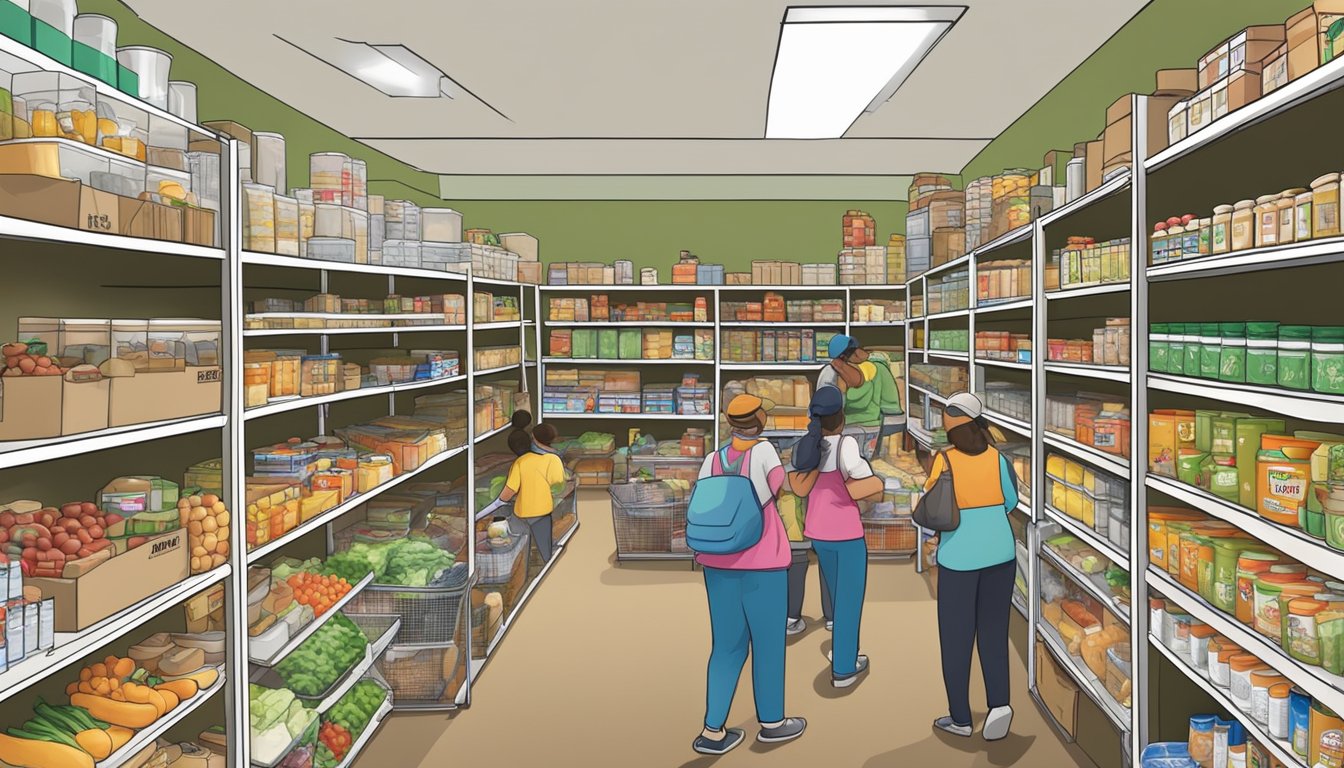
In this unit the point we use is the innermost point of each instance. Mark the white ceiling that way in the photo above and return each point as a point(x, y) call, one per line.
point(638, 87)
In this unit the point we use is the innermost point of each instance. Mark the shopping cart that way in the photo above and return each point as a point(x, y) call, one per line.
point(423, 678)
point(650, 520)
point(429, 615)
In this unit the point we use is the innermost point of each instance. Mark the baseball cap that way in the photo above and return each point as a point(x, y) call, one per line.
point(745, 405)
point(964, 404)
point(840, 344)
point(826, 401)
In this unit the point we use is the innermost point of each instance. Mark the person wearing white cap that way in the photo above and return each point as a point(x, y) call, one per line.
point(977, 566)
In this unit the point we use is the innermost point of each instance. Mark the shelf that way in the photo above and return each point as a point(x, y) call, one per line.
point(949, 354)
point(626, 324)
point(1104, 372)
point(762, 366)
point(1024, 507)
point(72, 646)
point(1004, 306)
point(584, 288)
point(295, 403)
point(1321, 685)
point(312, 626)
point(655, 416)
point(931, 395)
point(506, 325)
point(366, 735)
point(1118, 466)
point(256, 554)
point(481, 438)
point(505, 283)
point(1088, 535)
point(1002, 241)
point(784, 324)
point(1311, 85)
point(500, 369)
point(948, 314)
point(22, 229)
point(877, 323)
point(1017, 425)
point(961, 260)
point(1119, 183)
point(1292, 542)
point(1087, 290)
point(920, 436)
point(377, 646)
point(256, 259)
point(146, 736)
point(1003, 364)
point(1281, 749)
point(1020, 603)
point(1304, 254)
point(17, 453)
point(875, 287)
point(249, 332)
point(1098, 590)
point(605, 361)
point(1309, 406)
point(1095, 689)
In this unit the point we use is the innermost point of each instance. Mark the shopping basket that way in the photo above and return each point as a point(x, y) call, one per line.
point(429, 615)
point(650, 517)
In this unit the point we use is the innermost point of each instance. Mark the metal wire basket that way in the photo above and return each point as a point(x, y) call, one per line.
point(429, 615)
point(421, 677)
point(894, 535)
point(496, 566)
point(649, 518)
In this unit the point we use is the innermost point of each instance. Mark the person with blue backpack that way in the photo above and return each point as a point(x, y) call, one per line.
point(733, 526)
point(830, 471)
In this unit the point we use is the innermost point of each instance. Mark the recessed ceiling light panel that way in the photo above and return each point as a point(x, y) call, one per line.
point(836, 62)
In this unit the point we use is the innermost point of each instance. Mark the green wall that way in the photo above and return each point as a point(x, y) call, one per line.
point(1166, 34)
point(650, 233)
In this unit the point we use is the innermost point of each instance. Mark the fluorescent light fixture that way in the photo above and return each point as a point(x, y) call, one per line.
point(834, 63)
point(393, 69)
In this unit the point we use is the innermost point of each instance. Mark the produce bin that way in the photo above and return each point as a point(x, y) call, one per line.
point(890, 536)
point(650, 520)
point(423, 678)
point(495, 567)
point(429, 615)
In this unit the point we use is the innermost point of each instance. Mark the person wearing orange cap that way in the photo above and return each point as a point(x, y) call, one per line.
point(748, 593)
point(977, 565)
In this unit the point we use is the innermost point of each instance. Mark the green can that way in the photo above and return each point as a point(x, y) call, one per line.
point(15, 23)
point(1210, 350)
point(1294, 370)
point(1262, 354)
point(1192, 349)
point(1232, 357)
point(1158, 347)
point(1176, 349)
point(1327, 359)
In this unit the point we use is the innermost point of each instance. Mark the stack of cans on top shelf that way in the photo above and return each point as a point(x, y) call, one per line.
point(979, 211)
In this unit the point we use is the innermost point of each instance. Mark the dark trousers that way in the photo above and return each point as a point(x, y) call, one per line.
point(798, 587)
point(542, 534)
point(973, 610)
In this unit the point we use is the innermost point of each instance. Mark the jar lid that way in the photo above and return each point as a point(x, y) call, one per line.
point(1294, 332)
point(1232, 329)
point(1228, 653)
point(1208, 329)
point(1157, 328)
point(1242, 205)
point(1222, 209)
point(1263, 199)
point(1280, 690)
point(1294, 192)
point(1333, 333)
point(1247, 558)
point(1246, 662)
point(1160, 226)
point(1202, 631)
point(1305, 606)
point(1296, 568)
point(1329, 178)
point(1156, 603)
point(1267, 677)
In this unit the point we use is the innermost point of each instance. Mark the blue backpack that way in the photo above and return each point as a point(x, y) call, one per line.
point(724, 516)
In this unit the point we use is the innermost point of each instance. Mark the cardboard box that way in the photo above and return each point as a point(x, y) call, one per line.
point(160, 395)
point(84, 406)
point(1056, 690)
point(118, 583)
point(529, 272)
point(143, 218)
point(1328, 13)
point(948, 243)
point(30, 407)
point(1274, 70)
point(1242, 89)
point(1177, 82)
point(205, 612)
point(1093, 164)
point(198, 226)
point(1303, 41)
point(522, 244)
point(1242, 51)
point(60, 202)
point(1117, 138)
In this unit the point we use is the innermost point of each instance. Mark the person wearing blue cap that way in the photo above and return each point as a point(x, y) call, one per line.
point(842, 371)
point(830, 471)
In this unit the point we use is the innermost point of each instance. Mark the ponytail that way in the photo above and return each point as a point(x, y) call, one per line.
point(807, 452)
point(520, 442)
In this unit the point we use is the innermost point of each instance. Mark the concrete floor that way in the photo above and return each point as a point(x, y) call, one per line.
point(606, 664)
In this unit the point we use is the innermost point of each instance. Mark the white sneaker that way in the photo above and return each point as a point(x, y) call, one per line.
point(795, 627)
point(997, 723)
point(945, 723)
point(844, 681)
point(830, 626)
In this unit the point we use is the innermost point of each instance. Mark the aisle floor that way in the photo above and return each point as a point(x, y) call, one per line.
point(606, 667)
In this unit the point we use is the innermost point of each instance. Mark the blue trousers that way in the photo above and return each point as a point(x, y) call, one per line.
point(747, 612)
point(844, 567)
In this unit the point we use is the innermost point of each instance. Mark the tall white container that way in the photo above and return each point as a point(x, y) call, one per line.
point(268, 161)
point(440, 225)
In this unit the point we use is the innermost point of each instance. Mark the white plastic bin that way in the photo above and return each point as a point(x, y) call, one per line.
point(150, 65)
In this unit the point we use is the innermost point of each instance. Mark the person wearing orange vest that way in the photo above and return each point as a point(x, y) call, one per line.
point(977, 566)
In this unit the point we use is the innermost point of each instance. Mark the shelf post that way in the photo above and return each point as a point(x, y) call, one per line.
point(464, 696)
point(1039, 333)
point(1138, 432)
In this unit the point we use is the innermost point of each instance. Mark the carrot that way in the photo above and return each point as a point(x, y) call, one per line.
point(184, 688)
point(30, 753)
point(124, 713)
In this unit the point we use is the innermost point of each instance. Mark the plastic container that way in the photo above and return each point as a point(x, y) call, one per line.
point(1286, 210)
point(286, 226)
point(1277, 719)
point(1210, 350)
point(150, 66)
point(440, 225)
point(1200, 635)
point(1327, 360)
point(268, 161)
point(1232, 353)
point(1201, 739)
point(1299, 722)
point(94, 50)
point(329, 176)
point(1301, 635)
point(182, 99)
point(373, 471)
point(1249, 567)
point(1266, 220)
point(54, 28)
point(258, 218)
point(1262, 353)
point(1330, 630)
point(1325, 206)
point(1242, 667)
point(1261, 683)
point(1302, 215)
point(1220, 667)
point(1294, 359)
point(1268, 589)
point(1325, 742)
point(1221, 234)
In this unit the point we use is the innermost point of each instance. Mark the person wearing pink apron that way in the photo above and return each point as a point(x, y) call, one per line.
point(830, 471)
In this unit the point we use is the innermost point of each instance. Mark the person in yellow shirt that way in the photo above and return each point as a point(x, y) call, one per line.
point(529, 485)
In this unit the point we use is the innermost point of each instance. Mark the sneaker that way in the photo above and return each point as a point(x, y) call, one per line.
point(829, 625)
point(844, 681)
point(795, 627)
point(997, 723)
point(707, 746)
point(788, 730)
point(946, 724)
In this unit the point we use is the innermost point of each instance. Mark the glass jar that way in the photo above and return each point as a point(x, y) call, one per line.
point(1210, 348)
point(1294, 364)
point(1302, 215)
point(1157, 612)
point(1286, 206)
point(1327, 359)
point(1190, 246)
point(1205, 236)
point(1262, 353)
point(1175, 240)
point(1159, 347)
point(1192, 349)
point(1325, 206)
point(1122, 341)
point(1176, 348)
point(1266, 220)
point(1220, 237)
point(1159, 243)
point(1232, 357)
point(1243, 224)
